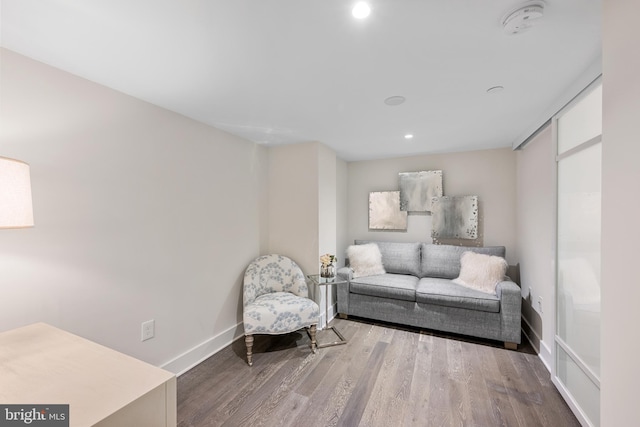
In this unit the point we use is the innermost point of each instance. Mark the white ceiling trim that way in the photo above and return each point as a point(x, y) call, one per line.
point(591, 74)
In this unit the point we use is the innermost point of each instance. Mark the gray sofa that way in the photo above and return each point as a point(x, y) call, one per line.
point(417, 290)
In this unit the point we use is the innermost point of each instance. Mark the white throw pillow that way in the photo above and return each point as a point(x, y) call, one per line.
point(365, 260)
point(481, 272)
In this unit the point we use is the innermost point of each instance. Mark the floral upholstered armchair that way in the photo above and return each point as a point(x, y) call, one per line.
point(276, 300)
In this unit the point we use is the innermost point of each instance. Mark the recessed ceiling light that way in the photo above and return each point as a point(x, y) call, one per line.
point(408, 136)
point(395, 100)
point(495, 89)
point(361, 10)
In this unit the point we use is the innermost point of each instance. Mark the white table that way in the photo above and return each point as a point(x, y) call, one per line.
point(40, 364)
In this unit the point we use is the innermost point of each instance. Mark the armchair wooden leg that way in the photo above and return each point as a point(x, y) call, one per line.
point(312, 333)
point(248, 340)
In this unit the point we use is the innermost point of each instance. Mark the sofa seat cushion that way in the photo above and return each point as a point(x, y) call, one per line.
point(394, 286)
point(278, 313)
point(445, 292)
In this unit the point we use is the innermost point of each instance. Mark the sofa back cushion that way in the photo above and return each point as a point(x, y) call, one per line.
point(399, 258)
point(365, 260)
point(481, 272)
point(444, 260)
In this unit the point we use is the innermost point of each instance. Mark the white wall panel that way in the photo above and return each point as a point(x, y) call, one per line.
point(140, 214)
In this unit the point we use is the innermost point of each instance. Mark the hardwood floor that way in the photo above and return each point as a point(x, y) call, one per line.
point(385, 375)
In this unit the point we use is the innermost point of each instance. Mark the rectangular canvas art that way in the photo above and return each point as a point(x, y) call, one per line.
point(385, 213)
point(417, 189)
point(455, 217)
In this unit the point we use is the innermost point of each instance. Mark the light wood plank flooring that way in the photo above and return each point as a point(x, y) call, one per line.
point(386, 375)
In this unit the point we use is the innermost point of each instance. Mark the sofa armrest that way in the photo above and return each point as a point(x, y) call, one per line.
point(510, 310)
point(343, 274)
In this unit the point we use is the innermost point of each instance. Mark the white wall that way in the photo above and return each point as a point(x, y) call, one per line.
point(327, 201)
point(342, 202)
point(488, 174)
point(327, 219)
point(535, 225)
point(293, 204)
point(140, 214)
point(303, 206)
point(620, 208)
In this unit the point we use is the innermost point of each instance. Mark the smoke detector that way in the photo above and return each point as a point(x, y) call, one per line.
point(522, 18)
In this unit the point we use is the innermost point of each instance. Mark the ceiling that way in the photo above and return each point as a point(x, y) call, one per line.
point(290, 71)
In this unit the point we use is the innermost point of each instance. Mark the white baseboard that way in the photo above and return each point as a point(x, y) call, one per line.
point(545, 356)
point(323, 308)
point(575, 408)
point(531, 335)
point(333, 309)
point(544, 352)
point(204, 350)
point(190, 358)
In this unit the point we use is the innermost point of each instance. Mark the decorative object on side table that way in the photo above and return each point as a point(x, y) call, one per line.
point(328, 266)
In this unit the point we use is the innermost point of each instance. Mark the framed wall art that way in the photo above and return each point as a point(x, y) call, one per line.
point(385, 213)
point(417, 190)
point(455, 217)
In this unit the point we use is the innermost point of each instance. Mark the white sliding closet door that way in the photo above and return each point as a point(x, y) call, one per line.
point(577, 343)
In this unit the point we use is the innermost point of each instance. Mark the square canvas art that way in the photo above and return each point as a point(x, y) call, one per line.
point(417, 189)
point(385, 213)
point(455, 217)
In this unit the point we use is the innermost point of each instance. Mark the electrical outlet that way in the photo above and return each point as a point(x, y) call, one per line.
point(540, 304)
point(148, 329)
